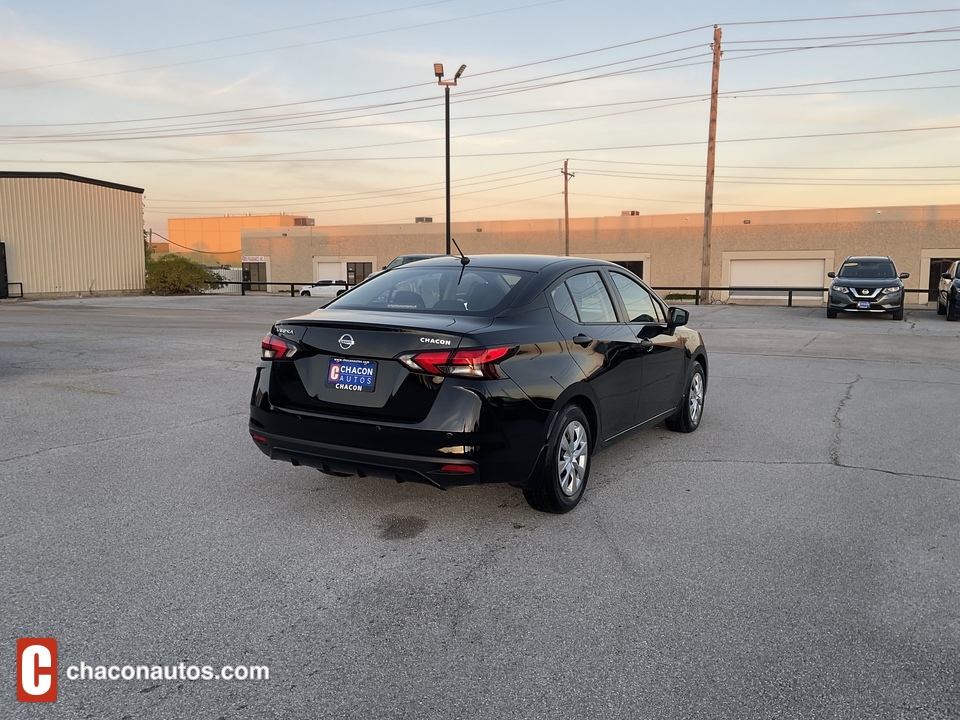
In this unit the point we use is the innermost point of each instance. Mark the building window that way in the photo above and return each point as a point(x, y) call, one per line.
point(634, 266)
point(358, 271)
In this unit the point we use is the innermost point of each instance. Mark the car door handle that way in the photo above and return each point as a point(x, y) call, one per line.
point(646, 345)
point(583, 340)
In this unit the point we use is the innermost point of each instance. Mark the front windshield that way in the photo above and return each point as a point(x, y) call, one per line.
point(397, 261)
point(868, 269)
point(433, 290)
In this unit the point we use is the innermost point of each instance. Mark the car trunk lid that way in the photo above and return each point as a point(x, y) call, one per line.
point(348, 364)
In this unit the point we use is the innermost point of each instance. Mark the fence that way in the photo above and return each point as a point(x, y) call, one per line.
point(697, 291)
point(229, 275)
point(773, 291)
point(245, 285)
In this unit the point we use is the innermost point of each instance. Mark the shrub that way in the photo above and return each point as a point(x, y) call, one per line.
point(175, 275)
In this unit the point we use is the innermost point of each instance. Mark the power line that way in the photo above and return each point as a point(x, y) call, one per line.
point(226, 39)
point(284, 47)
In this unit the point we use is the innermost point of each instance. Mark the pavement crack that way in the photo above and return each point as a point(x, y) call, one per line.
point(793, 463)
point(809, 343)
point(96, 441)
point(835, 442)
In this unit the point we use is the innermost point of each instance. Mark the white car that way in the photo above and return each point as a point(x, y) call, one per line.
point(324, 288)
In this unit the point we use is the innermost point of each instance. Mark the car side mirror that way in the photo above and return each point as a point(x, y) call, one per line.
point(946, 276)
point(904, 276)
point(831, 274)
point(677, 317)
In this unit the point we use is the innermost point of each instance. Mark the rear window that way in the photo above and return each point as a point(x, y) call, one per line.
point(437, 291)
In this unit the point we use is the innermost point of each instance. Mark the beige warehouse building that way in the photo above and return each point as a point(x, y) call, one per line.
point(771, 248)
point(64, 234)
point(216, 240)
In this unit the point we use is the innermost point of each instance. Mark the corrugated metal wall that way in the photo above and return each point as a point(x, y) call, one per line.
point(67, 236)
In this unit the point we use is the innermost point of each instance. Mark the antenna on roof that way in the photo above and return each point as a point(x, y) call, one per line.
point(464, 260)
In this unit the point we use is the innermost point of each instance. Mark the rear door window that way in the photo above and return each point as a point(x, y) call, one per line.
point(587, 296)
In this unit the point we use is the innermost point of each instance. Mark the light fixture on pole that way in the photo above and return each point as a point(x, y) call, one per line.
point(438, 71)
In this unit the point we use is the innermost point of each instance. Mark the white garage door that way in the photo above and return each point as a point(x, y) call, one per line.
point(326, 270)
point(806, 272)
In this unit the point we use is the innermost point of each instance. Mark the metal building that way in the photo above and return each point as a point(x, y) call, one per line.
point(65, 234)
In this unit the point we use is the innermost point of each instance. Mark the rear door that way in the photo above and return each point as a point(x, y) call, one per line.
point(604, 347)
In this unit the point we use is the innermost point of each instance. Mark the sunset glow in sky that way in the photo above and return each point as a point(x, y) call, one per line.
point(332, 109)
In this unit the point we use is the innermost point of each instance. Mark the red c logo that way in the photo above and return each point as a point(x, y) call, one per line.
point(36, 670)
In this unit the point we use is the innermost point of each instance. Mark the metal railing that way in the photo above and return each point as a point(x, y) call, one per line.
point(248, 285)
point(697, 290)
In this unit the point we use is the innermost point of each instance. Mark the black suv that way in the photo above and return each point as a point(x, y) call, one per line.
point(948, 295)
point(867, 285)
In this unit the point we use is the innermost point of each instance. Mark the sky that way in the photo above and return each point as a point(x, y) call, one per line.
point(332, 110)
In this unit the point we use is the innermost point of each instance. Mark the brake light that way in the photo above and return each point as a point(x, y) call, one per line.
point(273, 347)
point(470, 362)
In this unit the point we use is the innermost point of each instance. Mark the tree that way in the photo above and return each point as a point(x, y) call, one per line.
point(175, 275)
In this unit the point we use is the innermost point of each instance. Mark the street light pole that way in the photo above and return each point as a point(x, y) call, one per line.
point(438, 71)
point(446, 93)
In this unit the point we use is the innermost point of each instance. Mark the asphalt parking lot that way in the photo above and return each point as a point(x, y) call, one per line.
point(798, 556)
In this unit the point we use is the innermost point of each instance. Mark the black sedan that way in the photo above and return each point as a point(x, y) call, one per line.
point(496, 369)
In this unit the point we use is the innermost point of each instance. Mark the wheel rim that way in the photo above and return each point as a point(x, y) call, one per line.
point(695, 399)
point(572, 456)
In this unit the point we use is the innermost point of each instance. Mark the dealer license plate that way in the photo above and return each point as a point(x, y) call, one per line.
point(863, 305)
point(352, 375)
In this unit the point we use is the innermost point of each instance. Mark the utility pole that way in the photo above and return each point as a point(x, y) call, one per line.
point(566, 208)
point(711, 159)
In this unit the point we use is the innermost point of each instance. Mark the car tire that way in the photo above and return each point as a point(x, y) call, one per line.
point(690, 412)
point(953, 309)
point(304, 293)
point(831, 313)
point(560, 485)
point(941, 308)
point(898, 313)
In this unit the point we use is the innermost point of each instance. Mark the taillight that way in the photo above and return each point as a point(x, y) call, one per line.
point(470, 362)
point(274, 347)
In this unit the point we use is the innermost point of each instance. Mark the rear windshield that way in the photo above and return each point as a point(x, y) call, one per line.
point(435, 291)
point(869, 269)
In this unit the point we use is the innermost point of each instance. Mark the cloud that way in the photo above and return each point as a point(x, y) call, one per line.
point(37, 63)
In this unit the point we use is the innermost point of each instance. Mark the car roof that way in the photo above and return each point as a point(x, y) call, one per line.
point(532, 263)
point(867, 258)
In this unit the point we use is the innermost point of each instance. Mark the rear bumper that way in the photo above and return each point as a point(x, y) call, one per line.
point(339, 460)
point(466, 440)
